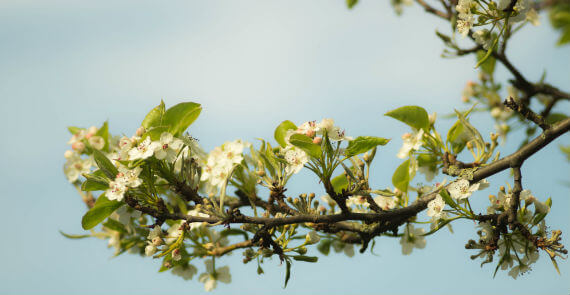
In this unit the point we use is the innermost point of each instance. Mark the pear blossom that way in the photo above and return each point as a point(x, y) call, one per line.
point(76, 166)
point(185, 271)
point(357, 201)
point(124, 215)
point(168, 147)
point(173, 232)
point(435, 208)
point(385, 203)
point(143, 150)
point(461, 189)
point(412, 142)
point(117, 189)
point(312, 238)
point(96, 142)
point(176, 255)
point(197, 225)
point(333, 132)
point(221, 161)
point(211, 277)
point(131, 177)
point(483, 38)
point(464, 25)
point(411, 239)
point(532, 17)
point(296, 159)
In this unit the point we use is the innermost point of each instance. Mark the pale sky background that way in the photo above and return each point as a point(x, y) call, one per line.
point(251, 64)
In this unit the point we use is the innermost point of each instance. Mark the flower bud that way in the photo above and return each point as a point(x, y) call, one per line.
point(317, 140)
point(310, 133)
point(496, 112)
point(302, 250)
point(312, 237)
point(140, 131)
point(260, 173)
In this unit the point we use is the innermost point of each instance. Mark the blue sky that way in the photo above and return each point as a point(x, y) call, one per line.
point(251, 64)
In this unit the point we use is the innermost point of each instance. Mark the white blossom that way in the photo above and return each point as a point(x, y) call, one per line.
point(197, 225)
point(296, 159)
point(412, 142)
point(211, 276)
point(143, 150)
point(385, 203)
point(435, 207)
point(333, 132)
point(185, 271)
point(168, 147)
point(312, 238)
point(411, 239)
point(461, 189)
point(76, 166)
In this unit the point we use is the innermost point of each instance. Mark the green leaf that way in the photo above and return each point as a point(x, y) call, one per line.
point(488, 66)
point(154, 117)
point(401, 177)
point(311, 259)
point(94, 183)
point(281, 131)
point(73, 130)
point(306, 143)
point(74, 236)
point(350, 3)
point(287, 272)
point(180, 116)
point(155, 132)
point(363, 144)
point(105, 164)
point(339, 183)
point(413, 116)
point(440, 224)
point(102, 209)
point(115, 225)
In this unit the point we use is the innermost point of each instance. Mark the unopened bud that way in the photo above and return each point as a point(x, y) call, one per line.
point(496, 112)
point(260, 173)
point(469, 145)
point(317, 140)
point(140, 131)
point(311, 195)
point(502, 188)
point(494, 136)
point(310, 133)
point(149, 250)
point(322, 209)
point(406, 135)
point(302, 250)
point(289, 199)
point(465, 99)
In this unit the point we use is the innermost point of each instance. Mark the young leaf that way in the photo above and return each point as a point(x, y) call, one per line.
point(312, 259)
point(74, 236)
point(401, 177)
point(306, 143)
point(489, 65)
point(180, 116)
point(101, 210)
point(447, 198)
point(287, 272)
point(94, 184)
point(105, 164)
point(413, 116)
point(339, 183)
point(281, 131)
point(324, 246)
point(363, 144)
point(350, 3)
point(154, 117)
point(73, 130)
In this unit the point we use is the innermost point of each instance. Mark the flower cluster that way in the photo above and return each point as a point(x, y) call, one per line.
point(221, 161)
point(296, 158)
point(126, 178)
